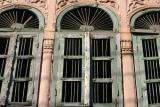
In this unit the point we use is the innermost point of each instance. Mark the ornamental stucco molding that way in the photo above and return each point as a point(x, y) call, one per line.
point(40, 4)
point(63, 3)
point(48, 45)
point(135, 4)
point(126, 47)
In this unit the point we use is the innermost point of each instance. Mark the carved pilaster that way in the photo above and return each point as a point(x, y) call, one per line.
point(126, 47)
point(48, 45)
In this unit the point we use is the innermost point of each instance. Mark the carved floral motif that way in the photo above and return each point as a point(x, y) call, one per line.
point(112, 3)
point(134, 4)
point(62, 3)
point(41, 3)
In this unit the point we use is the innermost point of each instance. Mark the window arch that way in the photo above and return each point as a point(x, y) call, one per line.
point(146, 40)
point(20, 55)
point(86, 15)
point(85, 47)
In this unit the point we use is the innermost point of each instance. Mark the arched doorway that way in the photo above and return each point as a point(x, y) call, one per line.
point(86, 59)
point(146, 41)
point(20, 56)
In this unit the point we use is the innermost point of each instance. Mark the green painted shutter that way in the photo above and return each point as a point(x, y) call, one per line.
point(104, 70)
point(91, 44)
point(146, 55)
point(66, 56)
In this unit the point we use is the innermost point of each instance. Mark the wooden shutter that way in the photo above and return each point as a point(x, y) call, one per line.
point(9, 57)
point(69, 67)
point(147, 55)
point(104, 70)
point(26, 69)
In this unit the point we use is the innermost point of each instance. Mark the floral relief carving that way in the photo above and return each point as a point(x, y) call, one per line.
point(134, 4)
point(62, 3)
point(112, 3)
point(41, 3)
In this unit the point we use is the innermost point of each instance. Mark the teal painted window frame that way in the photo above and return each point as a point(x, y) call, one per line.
point(12, 57)
point(56, 88)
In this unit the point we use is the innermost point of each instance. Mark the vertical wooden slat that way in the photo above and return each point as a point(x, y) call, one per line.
point(87, 69)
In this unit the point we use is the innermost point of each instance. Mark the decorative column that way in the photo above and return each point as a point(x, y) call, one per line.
point(129, 86)
point(48, 41)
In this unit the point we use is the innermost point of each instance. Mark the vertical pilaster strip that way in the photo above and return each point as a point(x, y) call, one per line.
point(129, 86)
point(44, 91)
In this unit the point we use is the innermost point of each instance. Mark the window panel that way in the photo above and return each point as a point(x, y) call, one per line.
point(19, 93)
point(25, 46)
point(71, 91)
point(85, 72)
point(102, 92)
point(101, 69)
point(4, 44)
point(149, 47)
point(100, 47)
point(72, 68)
point(147, 69)
point(22, 73)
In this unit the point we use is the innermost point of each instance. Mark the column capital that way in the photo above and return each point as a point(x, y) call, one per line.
point(126, 47)
point(48, 45)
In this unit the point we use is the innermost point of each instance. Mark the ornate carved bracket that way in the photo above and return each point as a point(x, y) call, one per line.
point(126, 47)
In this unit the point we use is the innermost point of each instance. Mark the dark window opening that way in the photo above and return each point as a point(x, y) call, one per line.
point(25, 47)
point(148, 20)
point(23, 68)
point(149, 48)
point(2, 66)
point(102, 92)
point(100, 47)
point(101, 69)
point(152, 69)
point(72, 68)
point(4, 44)
point(71, 91)
point(2, 69)
point(153, 92)
point(19, 93)
point(73, 46)
point(87, 18)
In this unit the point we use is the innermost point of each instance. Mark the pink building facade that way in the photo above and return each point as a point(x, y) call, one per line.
point(100, 53)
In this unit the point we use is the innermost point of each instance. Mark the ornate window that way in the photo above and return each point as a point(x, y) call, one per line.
point(20, 56)
point(146, 42)
point(86, 60)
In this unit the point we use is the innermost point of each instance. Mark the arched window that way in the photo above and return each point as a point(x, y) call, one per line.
point(20, 56)
point(146, 43)
point(86, 59)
